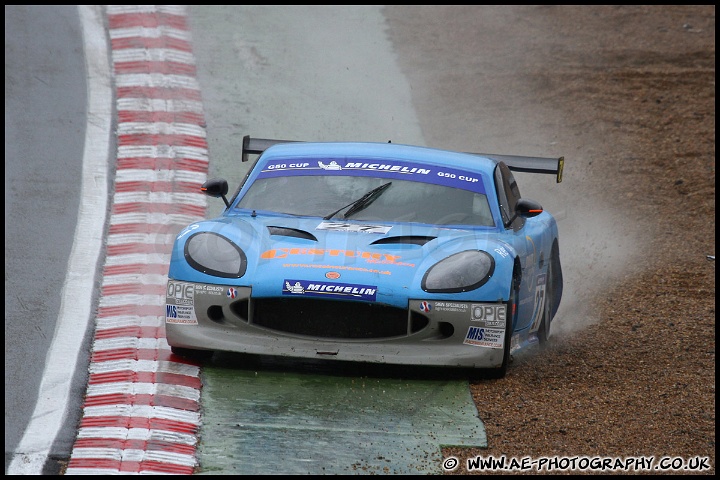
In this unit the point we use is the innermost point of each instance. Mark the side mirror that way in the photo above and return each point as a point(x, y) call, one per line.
point(216, 187)
point(526, 209)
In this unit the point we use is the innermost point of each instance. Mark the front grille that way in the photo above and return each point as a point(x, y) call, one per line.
point(334, 319)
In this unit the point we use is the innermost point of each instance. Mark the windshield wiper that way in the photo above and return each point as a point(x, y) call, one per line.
point(362, 202)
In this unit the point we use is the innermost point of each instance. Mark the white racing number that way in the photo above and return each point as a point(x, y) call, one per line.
point(539, 307)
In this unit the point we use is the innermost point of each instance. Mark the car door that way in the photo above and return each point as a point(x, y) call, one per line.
point(522, 234)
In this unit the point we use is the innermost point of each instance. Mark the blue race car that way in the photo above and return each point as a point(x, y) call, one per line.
point(369, 252)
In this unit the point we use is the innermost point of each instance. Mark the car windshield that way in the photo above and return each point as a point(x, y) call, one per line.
point(401, 201)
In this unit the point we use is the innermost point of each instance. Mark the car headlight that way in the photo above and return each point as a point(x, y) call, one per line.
point(215, 255)
point(459, 272)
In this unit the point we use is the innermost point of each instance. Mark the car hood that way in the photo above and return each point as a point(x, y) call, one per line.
point(390, 258)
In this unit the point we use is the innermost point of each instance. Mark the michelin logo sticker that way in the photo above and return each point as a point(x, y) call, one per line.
point(329, 289)
point(333, 165)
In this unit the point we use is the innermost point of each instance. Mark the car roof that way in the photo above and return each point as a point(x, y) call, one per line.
point(380, 151)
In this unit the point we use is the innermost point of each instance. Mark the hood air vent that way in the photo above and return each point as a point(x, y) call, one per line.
point(291, 232)
point(406, 239)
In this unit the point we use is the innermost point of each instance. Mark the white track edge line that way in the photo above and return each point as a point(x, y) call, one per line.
point(75, 310)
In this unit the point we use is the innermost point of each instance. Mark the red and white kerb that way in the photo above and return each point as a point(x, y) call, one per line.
point(142, 410)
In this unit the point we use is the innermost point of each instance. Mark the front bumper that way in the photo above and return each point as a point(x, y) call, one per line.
point(426, 333)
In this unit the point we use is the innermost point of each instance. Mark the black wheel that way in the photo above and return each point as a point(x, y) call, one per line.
point(544, 330)
point(192, 354)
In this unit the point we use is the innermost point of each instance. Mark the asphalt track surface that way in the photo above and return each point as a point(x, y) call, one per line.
point(141, 413)
point(57, 141)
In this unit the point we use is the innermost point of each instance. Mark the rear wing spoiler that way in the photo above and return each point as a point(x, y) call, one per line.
point(517, 163)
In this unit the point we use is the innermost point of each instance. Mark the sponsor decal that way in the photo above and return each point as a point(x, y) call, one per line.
point(332, 275)
point(369, 257)
point(492, 314)
point(451, 306)
point(209, 290)
point(397, 169)
point(485, 337)
point(296, 289)
point(280, 165)
point(337, 267)
point(333, 165)
point(329, 289)
point(231, 293)
point(425, 306)
point(350, 227)
point(501, 251)
point(180, 303)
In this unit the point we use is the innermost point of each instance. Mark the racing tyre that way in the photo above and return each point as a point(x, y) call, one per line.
point(191, 354)
point(544, 330)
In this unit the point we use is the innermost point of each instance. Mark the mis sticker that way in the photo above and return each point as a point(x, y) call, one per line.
point(485, 337)
point(180, 303)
